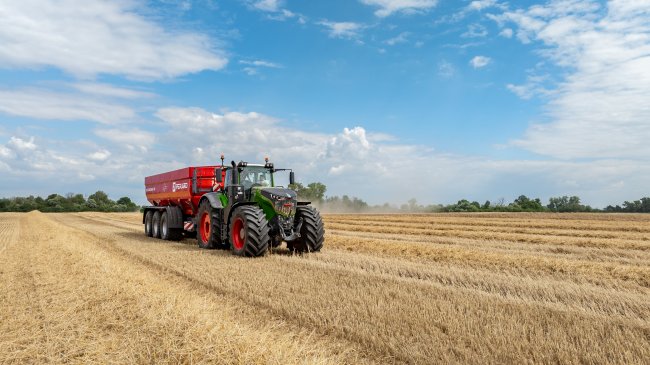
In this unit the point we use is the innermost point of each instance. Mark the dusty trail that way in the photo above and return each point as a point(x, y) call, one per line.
point(361, 299)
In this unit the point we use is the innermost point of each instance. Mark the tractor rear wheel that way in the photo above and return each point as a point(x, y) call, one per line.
point(155, 225)
point(207, 229)
point(148, 217)
point(312, 232)
point(166, 233)
point(249, 232)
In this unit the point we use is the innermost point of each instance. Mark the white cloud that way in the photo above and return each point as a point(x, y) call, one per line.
point(475, 31)
point(507, 33)
point(261, 63)
point(100, 37)
point(101, 155)
point(132, 138)
point(480, 61)
point(108, 90)
point(21, 144)
point(41, 104)
point(600, 109)
point(388, 7)
point(254, 66)
point(346, 30)
point(5, 152)
point(267, 5)
point(400, 38)
point(479, 5)
point(534, 86)
point(276, 10)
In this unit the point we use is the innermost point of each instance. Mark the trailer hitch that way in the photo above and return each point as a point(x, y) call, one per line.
point(295, 235)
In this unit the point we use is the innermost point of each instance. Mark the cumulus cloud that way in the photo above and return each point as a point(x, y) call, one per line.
point(480, 61)
point(388, 7)
point(100, 37)
point(346, 30)
point(600, 109)
point(21, 144)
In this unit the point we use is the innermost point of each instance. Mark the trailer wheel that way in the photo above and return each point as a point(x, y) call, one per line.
point(148, 216)
point(207, 229)
point(155, 223)
point(166, 233)
point(312, 232)
point(249, 232)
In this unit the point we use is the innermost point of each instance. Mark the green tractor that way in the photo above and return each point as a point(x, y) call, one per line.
point(249, 213)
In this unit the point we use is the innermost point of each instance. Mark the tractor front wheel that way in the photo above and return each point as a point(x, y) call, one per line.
point(249, 232)
point(312, 232)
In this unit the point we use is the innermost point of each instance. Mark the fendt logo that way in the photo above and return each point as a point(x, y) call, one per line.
point(179, 186)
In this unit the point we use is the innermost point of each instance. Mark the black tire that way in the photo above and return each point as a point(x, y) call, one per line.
point(249, 232)
point(312, 232)
point(166, 233)
point(148, 217)
point(155, 225)
point(208, 229)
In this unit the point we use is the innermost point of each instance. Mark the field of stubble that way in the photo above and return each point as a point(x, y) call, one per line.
point(440, 288)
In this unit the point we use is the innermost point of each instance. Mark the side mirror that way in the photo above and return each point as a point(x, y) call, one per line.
point(218, 175)
point(292, 178)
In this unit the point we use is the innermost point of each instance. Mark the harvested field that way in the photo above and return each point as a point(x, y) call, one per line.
point(439, 288)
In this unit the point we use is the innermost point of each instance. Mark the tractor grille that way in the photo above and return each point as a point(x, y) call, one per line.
point(285, 207)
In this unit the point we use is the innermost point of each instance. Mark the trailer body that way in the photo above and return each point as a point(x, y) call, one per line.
point(183, 187)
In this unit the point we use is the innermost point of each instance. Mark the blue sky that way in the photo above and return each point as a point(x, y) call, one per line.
point(386, 100)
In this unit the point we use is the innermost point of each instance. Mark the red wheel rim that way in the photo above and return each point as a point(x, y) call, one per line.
point(238, 234)
point(204, 227)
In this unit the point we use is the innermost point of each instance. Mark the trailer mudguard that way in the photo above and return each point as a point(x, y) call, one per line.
point(174, 217)
point(213, 198)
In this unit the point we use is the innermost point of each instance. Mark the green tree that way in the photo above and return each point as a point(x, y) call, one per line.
point(567, 204)
point(314, 192)
point(527, 204)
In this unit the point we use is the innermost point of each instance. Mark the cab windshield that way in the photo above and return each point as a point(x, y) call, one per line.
point(255, 176)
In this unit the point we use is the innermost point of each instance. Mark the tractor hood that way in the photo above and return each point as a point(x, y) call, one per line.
point(283, 200)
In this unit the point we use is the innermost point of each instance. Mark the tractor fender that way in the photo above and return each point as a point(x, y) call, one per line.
point(213, 198)
point(174, 217)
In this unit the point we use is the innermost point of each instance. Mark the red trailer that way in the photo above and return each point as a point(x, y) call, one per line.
point(181, 189)
point(237, 206)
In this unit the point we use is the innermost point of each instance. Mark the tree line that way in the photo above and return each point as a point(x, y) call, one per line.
point(97, 202)
point(315, 192)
